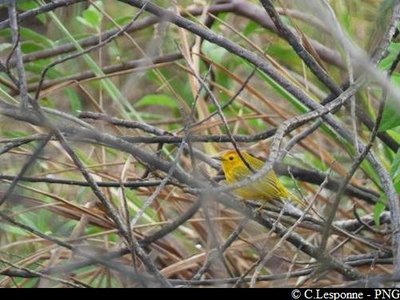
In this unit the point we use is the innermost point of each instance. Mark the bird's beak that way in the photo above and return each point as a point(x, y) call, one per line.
point(217, 158)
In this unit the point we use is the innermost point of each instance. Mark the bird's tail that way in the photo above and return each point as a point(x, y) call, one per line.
point(292, 197)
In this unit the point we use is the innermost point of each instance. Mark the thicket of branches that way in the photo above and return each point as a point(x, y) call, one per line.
point(112, 112)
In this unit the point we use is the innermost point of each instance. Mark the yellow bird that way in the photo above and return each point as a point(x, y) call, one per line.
point(266, 189)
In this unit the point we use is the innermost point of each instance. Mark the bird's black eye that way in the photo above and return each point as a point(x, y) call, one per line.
point(230, 157)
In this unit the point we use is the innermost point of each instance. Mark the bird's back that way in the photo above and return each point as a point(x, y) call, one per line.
point(267, 188)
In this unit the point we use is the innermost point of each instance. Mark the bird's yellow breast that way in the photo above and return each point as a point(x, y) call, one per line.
point(265, 189)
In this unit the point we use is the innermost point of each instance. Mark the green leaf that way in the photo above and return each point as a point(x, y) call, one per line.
point(84, 22)
point(14, 133)
point(29, 5)
point(250, 28)
point(30, 36)
point(92, 17)
point(37, 68)
point(391, 116)
point(42, 40)
point(378, 210)
point(5, 46)
point(29, 47)
point(30, 219)
point(394, 49)
point(285, 54)
point(151, 116)
point(395, 168)
point(215, 52)
point(123, 20)
point(395, 134)
point(161, 100)
point(12, 229)
point(74, 100)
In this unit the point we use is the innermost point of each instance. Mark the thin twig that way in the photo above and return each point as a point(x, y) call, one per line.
point(22, 86)
point(80, 53)
point(32, 159)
